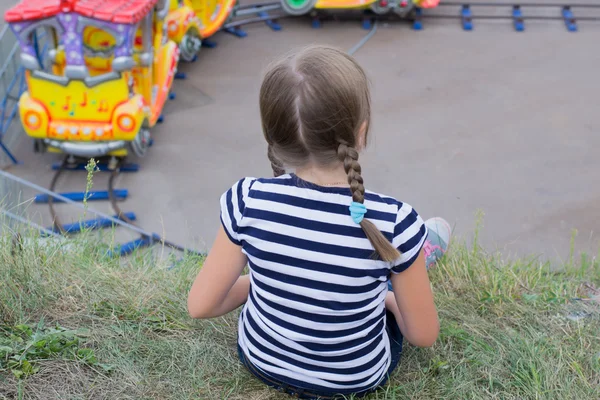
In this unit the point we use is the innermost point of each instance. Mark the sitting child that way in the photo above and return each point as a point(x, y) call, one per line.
point(338, 274)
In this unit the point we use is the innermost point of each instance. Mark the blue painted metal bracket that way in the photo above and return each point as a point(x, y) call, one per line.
point(129, 247)
point(211, 44)
point(7, 118)
point(96, 223)
point(79, 196)
point(518, 20)
point(316, 23)
point(466, 17)
point(270, 23)
point(569, 18)
point(100, 167)
point(10, 155)
point(418, 22)
point(366, 23)
point(239, 32)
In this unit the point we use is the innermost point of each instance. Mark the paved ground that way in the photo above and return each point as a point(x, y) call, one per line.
point(494, 120)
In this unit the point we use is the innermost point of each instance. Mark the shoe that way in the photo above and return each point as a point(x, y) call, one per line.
point(438, 239)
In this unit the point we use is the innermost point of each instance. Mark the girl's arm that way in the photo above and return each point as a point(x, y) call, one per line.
point(219, 288)
point(412, 290)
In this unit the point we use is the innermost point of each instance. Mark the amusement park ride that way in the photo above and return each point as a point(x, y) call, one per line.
point(97, 73)
point(112, 62)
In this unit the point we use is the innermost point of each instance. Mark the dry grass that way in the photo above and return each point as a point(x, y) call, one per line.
point(508, 330)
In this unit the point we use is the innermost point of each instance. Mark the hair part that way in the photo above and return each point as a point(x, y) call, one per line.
point(313, 104)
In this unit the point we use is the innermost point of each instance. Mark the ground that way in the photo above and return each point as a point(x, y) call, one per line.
point(75, 325)
point(492, 119)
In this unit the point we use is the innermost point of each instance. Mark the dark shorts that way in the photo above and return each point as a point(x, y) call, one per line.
point(309, 393)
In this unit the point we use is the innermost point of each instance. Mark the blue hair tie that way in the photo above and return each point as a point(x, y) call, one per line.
point(357, 211)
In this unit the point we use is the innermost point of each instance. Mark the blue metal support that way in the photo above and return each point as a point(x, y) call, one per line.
point(569, 18)
point(100, 167)
point(180, 75)
point(270, 23)
point(211, 44)
point(129, 247)
point(316, 23)
point(418, 22)
point(79, 196)
point(161, 118)
point(6, 120)
point(239, 32)
point(172, 96)
point(518, 20)
point(466, 17)
point(96, 223)
point(366, 23)
point(6, 151)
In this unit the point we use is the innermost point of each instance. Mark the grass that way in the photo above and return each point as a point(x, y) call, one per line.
point(75, 325)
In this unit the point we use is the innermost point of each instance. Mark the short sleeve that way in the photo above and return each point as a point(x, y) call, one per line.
point(410, 233)
point(233, 205)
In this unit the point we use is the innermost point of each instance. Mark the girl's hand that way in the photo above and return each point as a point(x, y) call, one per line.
point(219, 288)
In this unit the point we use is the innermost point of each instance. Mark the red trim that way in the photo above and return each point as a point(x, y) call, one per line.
point(118, 11)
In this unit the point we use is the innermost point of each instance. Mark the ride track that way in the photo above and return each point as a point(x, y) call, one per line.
point(370, 21)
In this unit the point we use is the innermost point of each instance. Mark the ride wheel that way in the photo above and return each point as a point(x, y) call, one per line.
point(190, 45)
point(141, 143)
point(382, 7)
point(212, 14)
point(298, 7)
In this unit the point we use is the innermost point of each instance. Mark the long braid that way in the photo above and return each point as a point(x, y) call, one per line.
point(349, 156)
point(276, 165)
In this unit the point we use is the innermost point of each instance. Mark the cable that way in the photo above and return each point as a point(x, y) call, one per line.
point(364, 40)
point(55, 221)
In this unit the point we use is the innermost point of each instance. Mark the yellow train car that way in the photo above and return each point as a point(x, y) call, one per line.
point(191, 21)
point(112, 68)
point(303, 7)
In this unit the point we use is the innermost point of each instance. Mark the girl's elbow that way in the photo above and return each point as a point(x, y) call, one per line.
point(426, 337)
point(195, 311)
point(425, 340)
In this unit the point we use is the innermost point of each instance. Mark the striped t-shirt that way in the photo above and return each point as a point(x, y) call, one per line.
point(315, 315)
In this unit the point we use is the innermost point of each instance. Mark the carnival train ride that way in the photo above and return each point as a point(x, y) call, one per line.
point(111, 71)
point(99, 84)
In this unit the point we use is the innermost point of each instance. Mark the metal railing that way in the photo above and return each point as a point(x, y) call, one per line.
point(12, 85)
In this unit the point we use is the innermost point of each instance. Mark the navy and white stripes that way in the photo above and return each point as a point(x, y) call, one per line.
point(315, 315)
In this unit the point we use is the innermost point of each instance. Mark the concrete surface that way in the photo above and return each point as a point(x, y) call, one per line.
point(495, 120)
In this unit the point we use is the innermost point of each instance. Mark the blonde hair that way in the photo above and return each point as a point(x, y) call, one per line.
point(313, 103)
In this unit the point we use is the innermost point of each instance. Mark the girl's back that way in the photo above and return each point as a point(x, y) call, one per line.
point(315, 312)
point(337, 273)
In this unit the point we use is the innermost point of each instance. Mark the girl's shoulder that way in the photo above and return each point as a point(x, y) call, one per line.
point(291, 197)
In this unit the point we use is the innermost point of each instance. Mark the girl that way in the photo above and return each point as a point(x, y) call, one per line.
point(320, 317)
